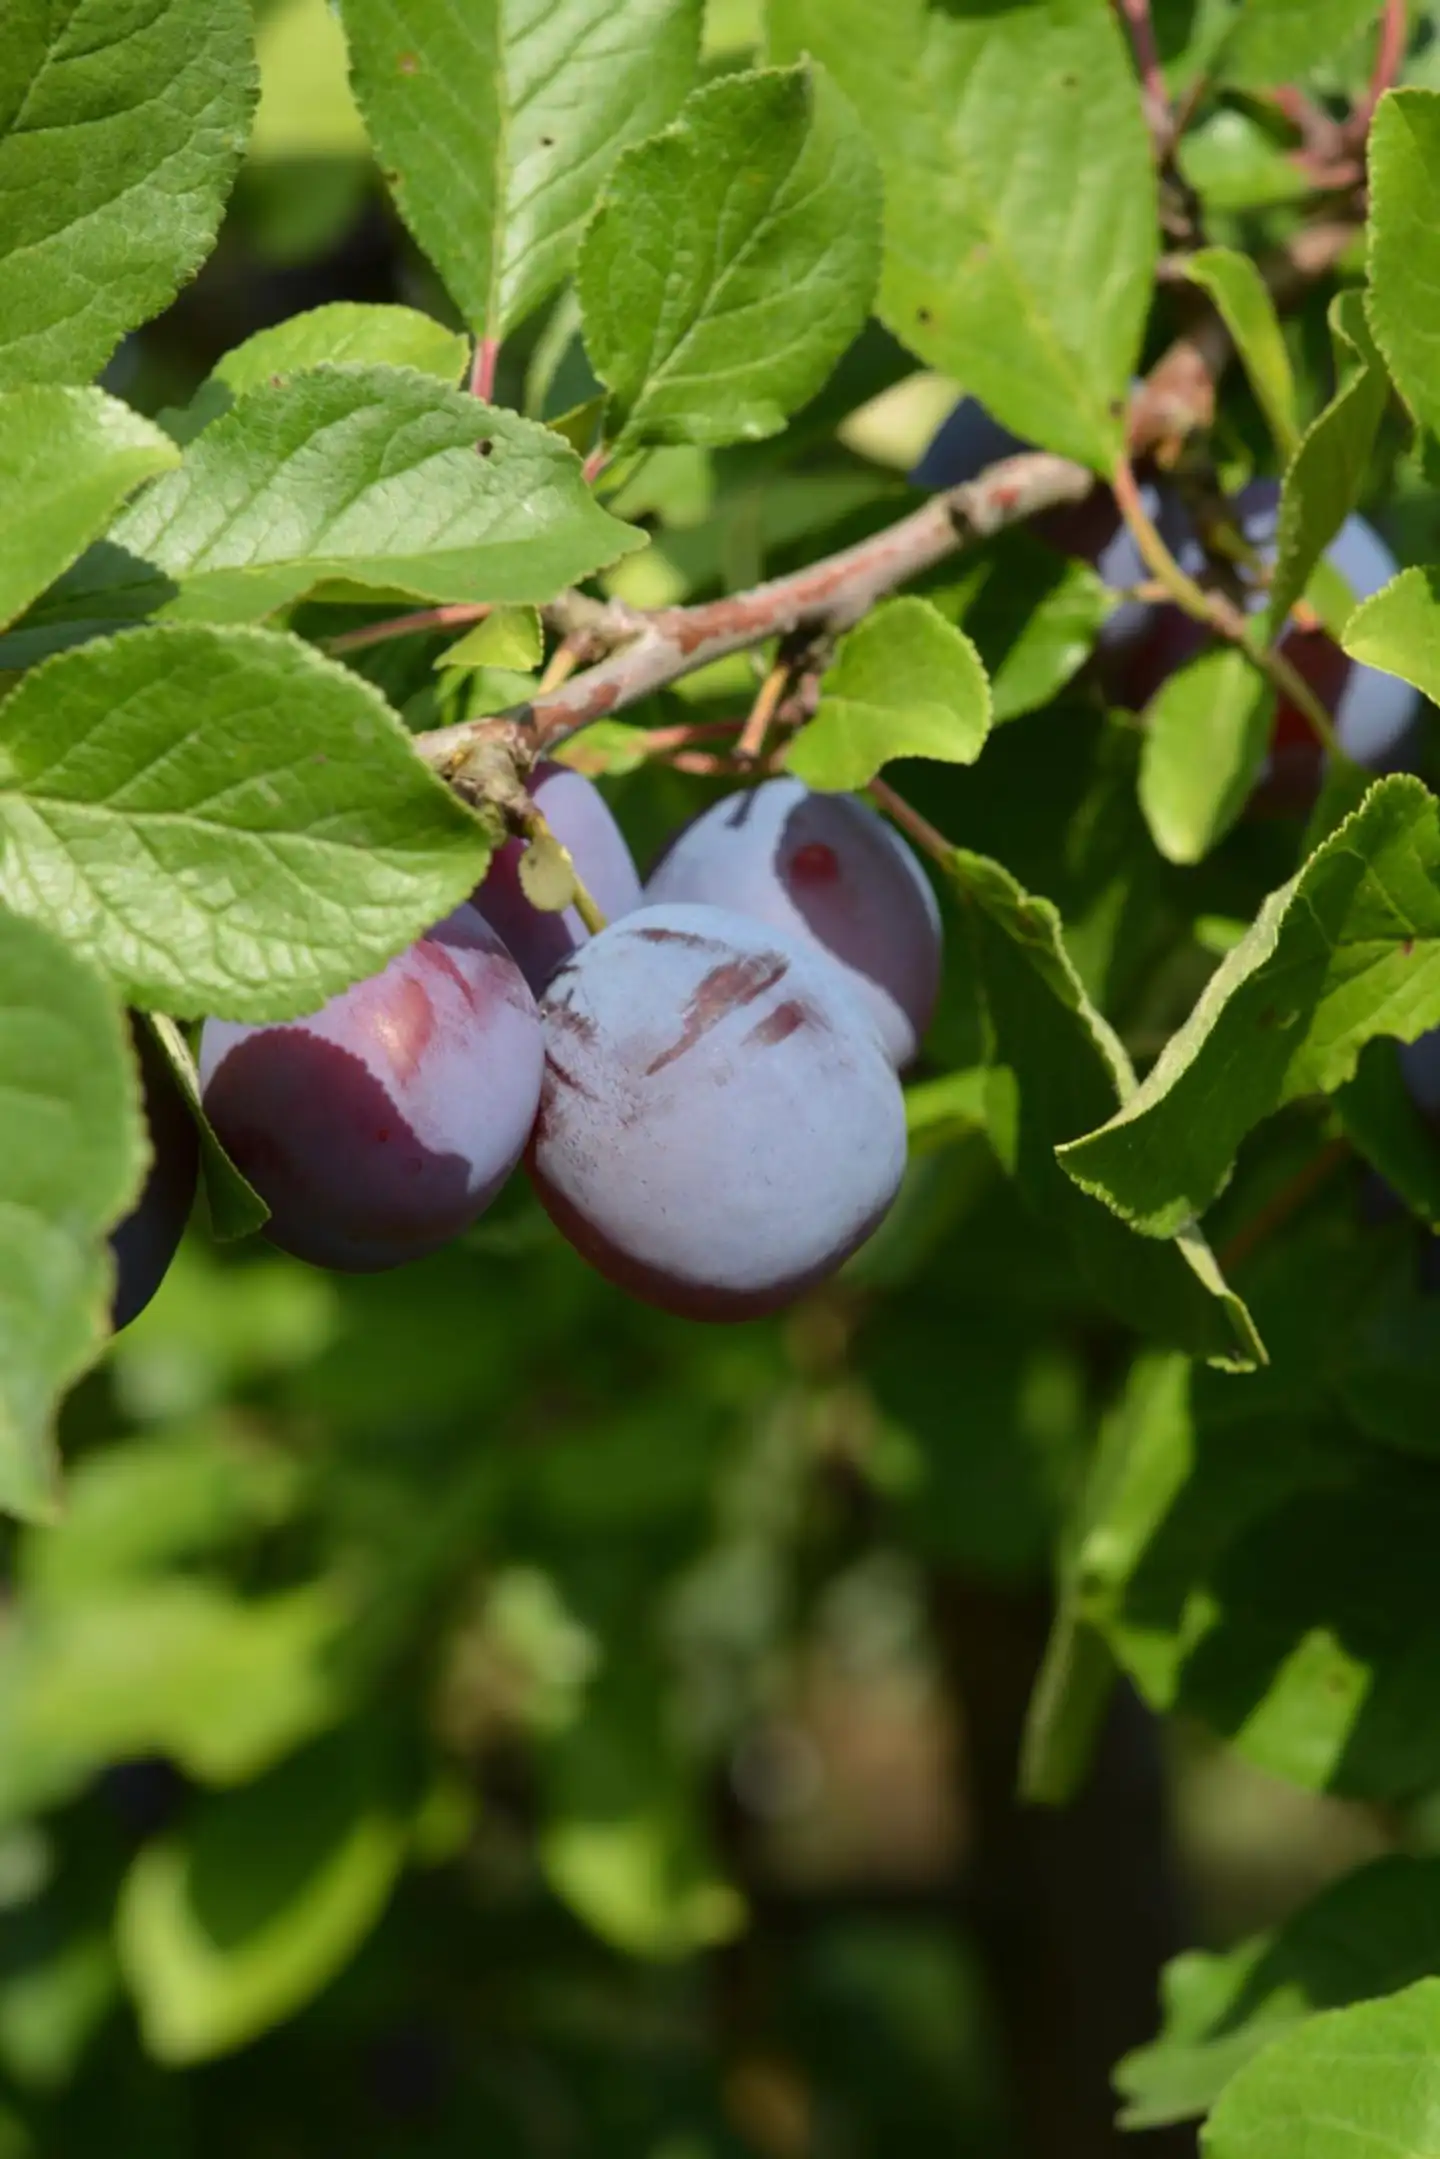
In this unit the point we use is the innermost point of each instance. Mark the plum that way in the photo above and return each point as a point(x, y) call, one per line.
point(1374, 713)
point(828, 870)
point(379, 1127)
point(579, 816)
point(720, 1126)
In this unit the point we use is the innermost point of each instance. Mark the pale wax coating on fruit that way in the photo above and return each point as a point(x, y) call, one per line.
point(720, 1126)
point(380, 1127)
point(828, 870)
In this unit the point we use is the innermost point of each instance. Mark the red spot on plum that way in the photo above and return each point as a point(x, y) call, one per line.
point(814, 864)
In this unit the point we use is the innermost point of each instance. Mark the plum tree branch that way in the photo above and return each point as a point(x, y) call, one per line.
point(824, 598)
point(646, 651)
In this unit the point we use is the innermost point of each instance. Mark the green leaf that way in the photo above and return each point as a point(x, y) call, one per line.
point(1378, 1115)
point(497, 125)
point(1398, 629)
point(905, 683)
point(68, 459)
point(1033, 616)
point(223, 820)
point(1243, 301)
point(612, 747)
point(1325, 477)
point(232, 1924)
point(731, 261)
point(70, 1165)
point(1348, 950)
point(511, 637)
point(1067, 1062)
point(1207, 731)
point(306, 117)
point(624, 1841)
point(1273, 40)
point(236, 1208)
point(230, 1684)
point(940, 1111)
point(139, 1505)
point(1066, 1712)
point(342, 334)
point(369, 474)
point(1252, 1564)
point(1372, 1933)
point(1404, 244)
point(1348, 2084)
point(985, 121)
point(120, 132)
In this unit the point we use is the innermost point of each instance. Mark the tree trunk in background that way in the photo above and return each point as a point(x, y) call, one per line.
point(1074, 1909)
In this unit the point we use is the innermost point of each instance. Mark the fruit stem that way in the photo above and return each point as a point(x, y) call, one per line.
point(929, 838)
point(536, 826)
point(457, 616)
point(751, 746)
point(1219, 613)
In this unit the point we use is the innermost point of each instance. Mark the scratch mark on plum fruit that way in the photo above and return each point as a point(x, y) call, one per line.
point(433, 955)
point(692, 938)
point(558, 1075)
point(725, 989)
point(571, 1022)
point(784, 1021)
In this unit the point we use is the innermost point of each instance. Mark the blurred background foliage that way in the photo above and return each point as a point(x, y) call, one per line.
point(462, 1711)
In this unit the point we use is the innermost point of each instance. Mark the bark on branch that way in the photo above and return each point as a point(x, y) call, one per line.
point(645, 652)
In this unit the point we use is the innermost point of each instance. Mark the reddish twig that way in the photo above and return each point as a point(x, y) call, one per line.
point(823, 598)
point(1136, 14)
point(1288, 1201)
point(647, 652)
point(1389, 58)
point(927, 837)
point(482, 369)
point(751, 745)
point(1322, 135)
point(458, 616)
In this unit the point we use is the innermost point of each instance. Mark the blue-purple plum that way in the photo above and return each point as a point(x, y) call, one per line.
point(579, 816)
point(720, 1126)
point(969, 439)
point(146, 1241)
point(380, 1126)
point(1374, 713)
point(827, 870)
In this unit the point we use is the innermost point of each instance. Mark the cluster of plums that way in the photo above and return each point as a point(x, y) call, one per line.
point(705, 1093)
point(1141, 645)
